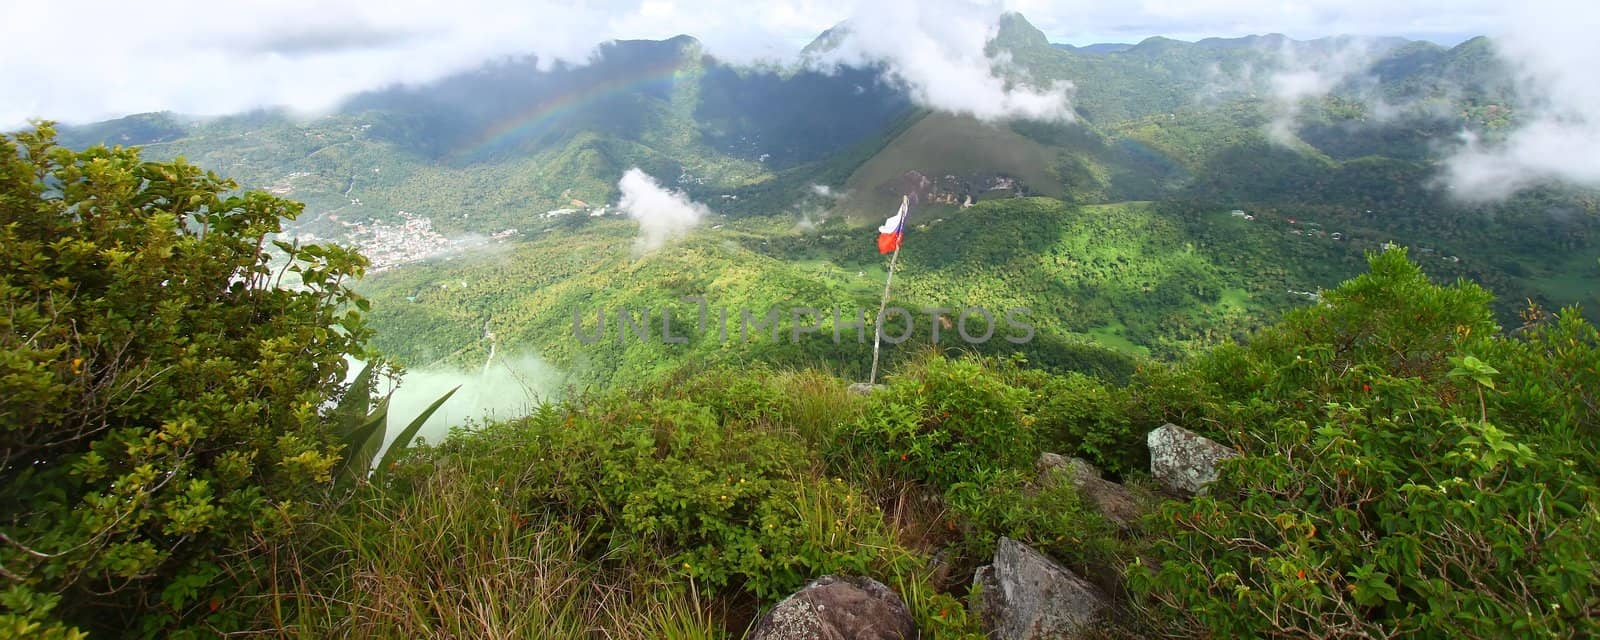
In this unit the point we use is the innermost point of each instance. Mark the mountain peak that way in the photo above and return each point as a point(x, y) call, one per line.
point(1017, 33)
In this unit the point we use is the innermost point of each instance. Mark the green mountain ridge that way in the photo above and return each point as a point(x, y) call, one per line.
point(504, 149)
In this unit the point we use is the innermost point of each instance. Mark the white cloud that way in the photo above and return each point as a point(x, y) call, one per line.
point(1304, 76)
point(191, 57)
point(1088, 21)
point(505, 387)
point(935, 49)
point(195, 57)
point(663, 214)
point(309, 54)
point(1555, 54)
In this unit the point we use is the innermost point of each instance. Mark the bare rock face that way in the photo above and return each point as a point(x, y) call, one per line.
point(838, 608)
point(1182, 460)
point(1027, 596)
point(1115, 502)
point(862, 388)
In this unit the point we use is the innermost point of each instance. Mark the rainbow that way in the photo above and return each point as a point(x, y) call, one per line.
point(542, 114)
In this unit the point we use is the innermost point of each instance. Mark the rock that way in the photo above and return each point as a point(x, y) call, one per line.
point(838, 608)
point(1182, 460)
point(1115, 502)
point(1027, 596)
point(863, 388)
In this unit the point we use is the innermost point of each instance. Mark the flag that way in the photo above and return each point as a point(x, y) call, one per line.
point(894, 229)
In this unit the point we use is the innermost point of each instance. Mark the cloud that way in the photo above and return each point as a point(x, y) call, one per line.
point(1088, 22)
point(1306, 74)
point(1553, 53)
point(323, 40)
point(506, 387)
point(1223, 84)
point(663, 214)
point(309, 55)
point(936, 50)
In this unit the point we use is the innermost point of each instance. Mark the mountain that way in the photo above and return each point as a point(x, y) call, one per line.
point(1115, 228)
point(482, 151)
point(1099, 47)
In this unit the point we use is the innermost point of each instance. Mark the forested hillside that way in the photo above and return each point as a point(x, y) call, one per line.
point(1139, 256)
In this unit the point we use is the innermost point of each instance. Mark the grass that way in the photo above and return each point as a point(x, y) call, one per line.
point(1110, 335)
point(445, 562)
point(518, 530)
point(1578, 281)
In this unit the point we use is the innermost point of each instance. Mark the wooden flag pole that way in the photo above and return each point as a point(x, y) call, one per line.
point(877, 320)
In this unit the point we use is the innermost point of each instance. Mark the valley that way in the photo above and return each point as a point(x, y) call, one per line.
point(1138, 264)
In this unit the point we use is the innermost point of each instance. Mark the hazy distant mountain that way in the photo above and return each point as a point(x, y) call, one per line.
point(489, 148)
point(1099, 47)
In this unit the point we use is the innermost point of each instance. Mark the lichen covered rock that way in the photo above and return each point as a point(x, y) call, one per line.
point(1116, 503)
point(1028, 596)
point(1184, 461)
point(838, 608)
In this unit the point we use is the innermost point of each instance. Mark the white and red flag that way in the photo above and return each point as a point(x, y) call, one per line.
point(894, 229)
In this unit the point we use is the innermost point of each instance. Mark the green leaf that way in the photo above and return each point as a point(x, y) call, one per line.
point(351, 413)
point(1474, 369)
point(362, 445)
point(402, 441)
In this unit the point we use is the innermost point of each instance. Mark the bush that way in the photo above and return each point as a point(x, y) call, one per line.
point(159, 394)
point(1081, 416)
point(944, 422)
point(1051, 518)
point(453, 557)
point(1382, 493)
point(684, 489)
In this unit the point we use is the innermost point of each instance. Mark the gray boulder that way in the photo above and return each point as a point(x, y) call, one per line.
point(838, 608)
point(1184, 461)
point(1027, 596)
point(862, 388)
point(1115, 502)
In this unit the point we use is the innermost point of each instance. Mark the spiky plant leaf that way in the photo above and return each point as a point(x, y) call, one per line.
point(401, 442)
point(351, 413)
point(362, 446)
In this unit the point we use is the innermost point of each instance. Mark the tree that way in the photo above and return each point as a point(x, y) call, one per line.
point(163, 385)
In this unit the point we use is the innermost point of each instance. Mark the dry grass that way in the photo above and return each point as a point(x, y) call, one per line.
point(464, 567)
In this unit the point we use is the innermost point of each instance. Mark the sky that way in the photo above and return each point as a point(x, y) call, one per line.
point(91, 60)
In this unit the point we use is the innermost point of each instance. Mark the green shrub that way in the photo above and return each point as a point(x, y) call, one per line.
point(160, 395)
point(28, 615)
point(945, 422)
point(1550, 381)
point(1382, 492)
point(939, 615)
point(1081, 416)
point(451, 556)
point(1051, 518)
point(663, 483)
